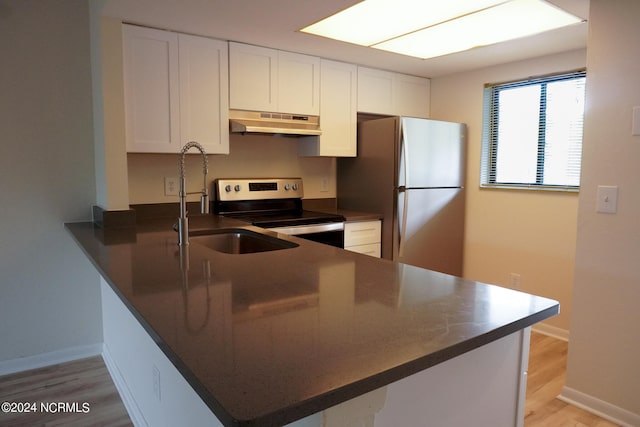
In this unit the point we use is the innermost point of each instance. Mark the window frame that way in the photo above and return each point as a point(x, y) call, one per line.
point(489, 133)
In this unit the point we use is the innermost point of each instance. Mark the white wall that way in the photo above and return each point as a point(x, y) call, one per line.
point(108, 111)
point(49, 293)
point(506, 231)
point(251, 156)
point(605, 324)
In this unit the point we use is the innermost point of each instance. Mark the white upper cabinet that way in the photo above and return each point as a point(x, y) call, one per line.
point(298, 83)
point(384, 92)
point(412, 95)
point(338, 113)
point(263, 79)
point(176, 91)
point(204, 93)
point(375, 91)
point(253, 79)
point(151, 84)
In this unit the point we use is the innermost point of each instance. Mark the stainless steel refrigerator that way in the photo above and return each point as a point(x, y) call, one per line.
point(412, 172)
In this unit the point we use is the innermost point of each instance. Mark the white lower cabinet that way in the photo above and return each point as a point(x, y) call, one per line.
point(363, 237)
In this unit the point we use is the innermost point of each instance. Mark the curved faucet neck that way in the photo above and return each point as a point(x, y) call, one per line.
point(183, 223)
point(183, 152)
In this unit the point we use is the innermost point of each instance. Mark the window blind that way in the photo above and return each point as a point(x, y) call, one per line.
point(532, 132)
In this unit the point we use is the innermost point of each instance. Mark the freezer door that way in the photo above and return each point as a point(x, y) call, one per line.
point(432, 153)
point(431, 229)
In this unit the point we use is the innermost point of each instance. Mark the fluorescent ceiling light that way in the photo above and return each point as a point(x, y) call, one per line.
point(508, 21)
point(374, 21)
point(430, 28)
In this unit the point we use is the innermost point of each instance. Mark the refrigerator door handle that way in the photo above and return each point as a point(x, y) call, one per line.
point(403, 206)
point(403, 173)
point(403, 166)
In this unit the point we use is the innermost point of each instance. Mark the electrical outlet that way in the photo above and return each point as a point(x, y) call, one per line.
point(324, 184)
point(514, 280)
point(156, 383)
point(171, 186)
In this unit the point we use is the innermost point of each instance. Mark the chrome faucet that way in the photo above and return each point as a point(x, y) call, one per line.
point(183, 221)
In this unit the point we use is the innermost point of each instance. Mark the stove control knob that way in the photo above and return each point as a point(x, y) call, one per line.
point(227, 188)
point(295, 187)
point(287, 187)
point(237, 187)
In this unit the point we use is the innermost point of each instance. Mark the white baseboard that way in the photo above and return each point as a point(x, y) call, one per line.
point(599, 407)
point(552, 331)
point(47, 359)
point(129, 402)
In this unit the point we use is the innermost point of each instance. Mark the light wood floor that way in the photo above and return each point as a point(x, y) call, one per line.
point(89, 381)
point(546, 377)
point(83, 381)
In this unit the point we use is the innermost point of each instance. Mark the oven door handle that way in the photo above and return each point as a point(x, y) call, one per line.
point(308, 229)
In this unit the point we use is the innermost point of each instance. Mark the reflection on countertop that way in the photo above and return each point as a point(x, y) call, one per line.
point(299, 329)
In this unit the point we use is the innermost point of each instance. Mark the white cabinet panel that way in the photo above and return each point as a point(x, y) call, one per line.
point(253, 78)
point(412, 95)
point(363, 237)
point(372, 249)
point(384, 92)
point(490, 380)
point(375, 91)
point(204, 110)
point(263, 79)
point(338, 112)
point(176, 91)
point(150, 59)
point(298, 84)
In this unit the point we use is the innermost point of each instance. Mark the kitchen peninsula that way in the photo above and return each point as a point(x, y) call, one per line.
point(310, 335)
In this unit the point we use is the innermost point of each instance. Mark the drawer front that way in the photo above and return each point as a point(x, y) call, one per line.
point(371, 250)
point(362, 233)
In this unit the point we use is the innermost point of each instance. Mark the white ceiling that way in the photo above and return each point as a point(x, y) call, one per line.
point(275, 23)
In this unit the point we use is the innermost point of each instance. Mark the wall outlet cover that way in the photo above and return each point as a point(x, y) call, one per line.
point(171, 186)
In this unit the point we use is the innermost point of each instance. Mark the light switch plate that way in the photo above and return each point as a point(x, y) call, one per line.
point(607, 199)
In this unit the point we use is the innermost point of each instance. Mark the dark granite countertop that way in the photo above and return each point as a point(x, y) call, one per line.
point(352, 216)
point(269, 338)
point(331, 206)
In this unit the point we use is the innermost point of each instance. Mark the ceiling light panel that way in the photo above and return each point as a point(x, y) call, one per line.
point(374, 21)
point(507, 21)
point(430, 28)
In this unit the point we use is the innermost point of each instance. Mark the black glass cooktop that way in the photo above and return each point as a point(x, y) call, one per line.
point(287, 218)
point(274, 213)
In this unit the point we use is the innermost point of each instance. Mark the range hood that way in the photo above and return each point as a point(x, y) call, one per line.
point(241, 121)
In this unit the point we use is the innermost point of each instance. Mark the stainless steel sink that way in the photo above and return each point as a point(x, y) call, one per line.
point(240, 241)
